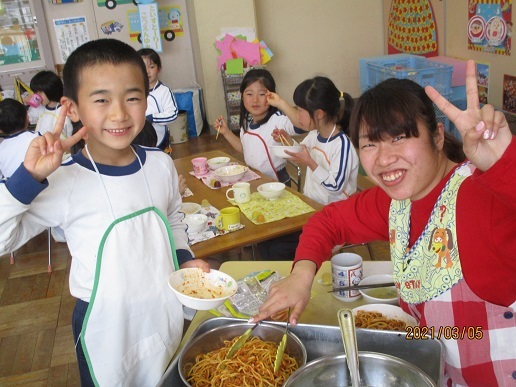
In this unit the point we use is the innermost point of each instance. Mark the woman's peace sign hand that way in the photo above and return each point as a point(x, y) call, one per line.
point(45, 152)
point(485, 132)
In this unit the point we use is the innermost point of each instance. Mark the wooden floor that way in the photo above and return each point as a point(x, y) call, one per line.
point(36, 343)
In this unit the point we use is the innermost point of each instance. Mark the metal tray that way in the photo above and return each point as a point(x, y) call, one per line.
point(321, 340)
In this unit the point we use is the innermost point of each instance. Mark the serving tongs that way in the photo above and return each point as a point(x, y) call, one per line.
point(281, 347)
point(240, 342)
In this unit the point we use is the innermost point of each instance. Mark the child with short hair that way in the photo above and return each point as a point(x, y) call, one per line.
point(258, 119)
point(330, 158)
point(120, 214)
point(161, 103)
point(49, 87)
point(13, 123)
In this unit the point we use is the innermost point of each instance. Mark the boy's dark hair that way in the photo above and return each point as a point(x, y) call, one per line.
point(394, 107)
point(321, 93)
point(13, 116)
point(151, 54)
point(98, 52)
point(49, 83)
point(266, 79)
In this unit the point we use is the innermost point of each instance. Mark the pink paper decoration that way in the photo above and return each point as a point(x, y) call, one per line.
point(250, 52)
point(224, 46)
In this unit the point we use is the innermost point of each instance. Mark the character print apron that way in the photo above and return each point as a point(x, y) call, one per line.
point(133, 324)
point(430, 272)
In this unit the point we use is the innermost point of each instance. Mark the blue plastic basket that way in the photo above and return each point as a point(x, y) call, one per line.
point(413, 67)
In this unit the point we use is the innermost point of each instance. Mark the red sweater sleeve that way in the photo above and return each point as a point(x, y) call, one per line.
point(363, 217)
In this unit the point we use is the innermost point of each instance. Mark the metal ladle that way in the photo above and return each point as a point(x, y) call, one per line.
point(349, 337)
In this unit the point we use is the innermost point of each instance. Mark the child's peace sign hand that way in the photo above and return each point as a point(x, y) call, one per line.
point(485, 132)
point(45, 153)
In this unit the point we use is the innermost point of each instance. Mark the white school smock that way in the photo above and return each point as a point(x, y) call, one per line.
point(47, 120)
point(12, 151)
point(72, 200)
point(336, 176)
point(257, 140)
point(162, 105)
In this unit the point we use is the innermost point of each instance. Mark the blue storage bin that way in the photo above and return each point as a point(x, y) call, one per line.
point(413, 67)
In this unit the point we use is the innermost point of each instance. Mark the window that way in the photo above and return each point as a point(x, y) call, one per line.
point(24, 44)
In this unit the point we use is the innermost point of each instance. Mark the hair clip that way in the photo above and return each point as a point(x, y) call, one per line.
point(341, 95)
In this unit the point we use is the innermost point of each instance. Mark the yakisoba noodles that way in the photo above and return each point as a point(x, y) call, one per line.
point(376, 320)
point(252, 365)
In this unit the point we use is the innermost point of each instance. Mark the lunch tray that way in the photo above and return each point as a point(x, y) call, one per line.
point(321, 340)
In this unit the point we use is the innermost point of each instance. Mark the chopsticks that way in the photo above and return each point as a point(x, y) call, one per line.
point(283, 140)
point(218, 130)
point(356, 287)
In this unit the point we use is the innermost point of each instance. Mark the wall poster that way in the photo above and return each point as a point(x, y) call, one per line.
point(483, 82)
point(490, 26)
point(70, 34)
point(509, 93)
point(412, 28)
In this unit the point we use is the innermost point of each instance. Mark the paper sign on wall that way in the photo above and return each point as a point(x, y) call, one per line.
point(150, 31)
point(70, 34)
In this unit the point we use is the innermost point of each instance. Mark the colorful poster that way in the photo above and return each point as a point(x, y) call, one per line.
point(490, 26)
point(412, 28)
point(509, 93)
point(483, 82)
point(170, 22)
point(70, 34)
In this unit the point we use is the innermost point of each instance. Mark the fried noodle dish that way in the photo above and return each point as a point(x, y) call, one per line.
point(252, 365)
point(376, 320)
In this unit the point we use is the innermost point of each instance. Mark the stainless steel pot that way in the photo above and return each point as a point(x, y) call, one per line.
point(214, 339)
point(376, 370)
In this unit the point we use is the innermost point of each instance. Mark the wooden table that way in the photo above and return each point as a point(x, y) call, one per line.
point(251, 233)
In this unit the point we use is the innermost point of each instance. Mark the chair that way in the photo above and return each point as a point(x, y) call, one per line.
point(295, 170)
point(49, 252)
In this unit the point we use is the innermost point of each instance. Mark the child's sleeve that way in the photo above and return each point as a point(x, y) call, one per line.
point(18, 221)
point(168, 108)
point(335, 170)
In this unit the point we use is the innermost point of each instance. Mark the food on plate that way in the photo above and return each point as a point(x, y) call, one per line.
point(376, 320)
point(252, 365)
point(198, 286)
point(215, 183)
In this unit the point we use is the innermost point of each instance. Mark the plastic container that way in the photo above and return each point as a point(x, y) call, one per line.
point(459, 68)
point(413, 67)
point(178, 129)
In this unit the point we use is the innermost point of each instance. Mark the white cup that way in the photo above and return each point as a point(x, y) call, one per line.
point(346, 270)
point(241, 192)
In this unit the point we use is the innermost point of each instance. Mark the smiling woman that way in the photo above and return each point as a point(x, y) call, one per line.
point(423, 205)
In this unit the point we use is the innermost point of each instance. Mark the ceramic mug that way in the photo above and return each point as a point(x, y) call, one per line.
point(241, 192)
point(229, 219)
point(200, 165)
point(346, 270)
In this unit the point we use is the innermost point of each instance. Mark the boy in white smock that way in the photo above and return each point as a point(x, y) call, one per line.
point(121, 218)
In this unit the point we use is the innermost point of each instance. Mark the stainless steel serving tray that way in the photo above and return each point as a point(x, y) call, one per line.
point(322, 340)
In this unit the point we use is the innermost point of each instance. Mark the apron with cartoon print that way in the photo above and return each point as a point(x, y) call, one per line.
point(133, 324)
point(432, 266)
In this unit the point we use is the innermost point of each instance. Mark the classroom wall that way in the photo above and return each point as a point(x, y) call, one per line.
point(307, 39)
point(177, 56)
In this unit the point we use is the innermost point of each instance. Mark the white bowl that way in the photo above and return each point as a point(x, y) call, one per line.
point(195, 222)
point(389, 311)
point(190, 208)
point(271, 191)
point(231, 173)
point(199, 290)
point(217, 162)
point(279, 150)
point(387, 295)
